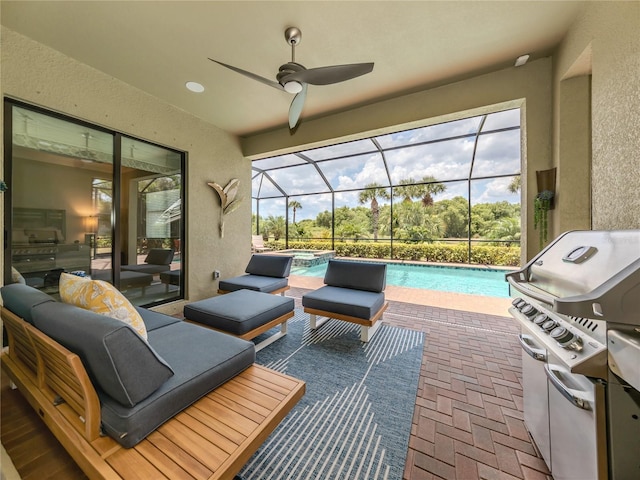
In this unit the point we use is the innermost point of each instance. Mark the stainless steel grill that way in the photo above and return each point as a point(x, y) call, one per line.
point(578, 305)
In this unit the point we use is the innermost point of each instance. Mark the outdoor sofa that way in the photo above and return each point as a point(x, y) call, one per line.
point(353, 292)
point(189, 399)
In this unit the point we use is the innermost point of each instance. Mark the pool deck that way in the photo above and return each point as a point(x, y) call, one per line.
point(432, 298)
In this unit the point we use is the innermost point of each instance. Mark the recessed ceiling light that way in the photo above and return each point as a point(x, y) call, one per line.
point(195, 87)
point(521, 60)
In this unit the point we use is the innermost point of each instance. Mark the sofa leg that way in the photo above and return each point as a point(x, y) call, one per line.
point(276, 336)
point(366, 333)
point(314, 323)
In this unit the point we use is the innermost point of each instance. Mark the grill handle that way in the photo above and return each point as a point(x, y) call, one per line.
point(523, 287)
point(566, 392)
point(526, 342)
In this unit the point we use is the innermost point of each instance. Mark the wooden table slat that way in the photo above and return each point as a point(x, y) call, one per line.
point(198, 447)
point(207, 432)
point(227, 416)
point(177, 455)
point(164, 463)
point(215, 424)
point(133, 466)
point(242, 404)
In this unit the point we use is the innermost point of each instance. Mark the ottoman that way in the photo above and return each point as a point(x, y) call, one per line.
point(243, 313)
point(127, 279)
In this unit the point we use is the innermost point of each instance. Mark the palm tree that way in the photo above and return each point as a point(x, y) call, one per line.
point(514, 186)
point(407, 189)
point(506, 229)
point(296, 206)
point(372, 192)
point(428, 186)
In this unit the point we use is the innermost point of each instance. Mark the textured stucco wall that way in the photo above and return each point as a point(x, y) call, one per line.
point(573, 157)
point(36, 74)
point(610, 31)
point(529, 86)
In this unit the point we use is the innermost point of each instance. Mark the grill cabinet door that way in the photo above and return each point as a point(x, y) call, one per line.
point(577, 450)
point(534, 390)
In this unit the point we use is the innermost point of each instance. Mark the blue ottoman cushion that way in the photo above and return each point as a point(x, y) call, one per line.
point(239, 312)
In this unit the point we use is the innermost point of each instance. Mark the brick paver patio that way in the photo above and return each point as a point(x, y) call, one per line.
point(468, 421)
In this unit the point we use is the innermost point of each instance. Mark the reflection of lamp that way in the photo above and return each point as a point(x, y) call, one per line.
point(91, 224)
point(91, 227)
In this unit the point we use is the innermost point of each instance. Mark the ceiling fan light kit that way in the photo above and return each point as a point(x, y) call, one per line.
point(293, 77)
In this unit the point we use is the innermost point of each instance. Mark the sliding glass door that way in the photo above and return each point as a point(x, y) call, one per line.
point(93, 202)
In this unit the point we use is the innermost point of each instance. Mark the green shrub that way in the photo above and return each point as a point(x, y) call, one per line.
point(425, 252)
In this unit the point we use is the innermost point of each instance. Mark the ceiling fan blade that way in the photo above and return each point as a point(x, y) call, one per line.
point(295, 110)
point(330, 74)
point(260, 79)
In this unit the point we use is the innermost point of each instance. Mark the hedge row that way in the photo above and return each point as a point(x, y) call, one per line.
point(427, 252)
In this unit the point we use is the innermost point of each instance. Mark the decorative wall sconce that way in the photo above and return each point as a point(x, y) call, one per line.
point(228, 200)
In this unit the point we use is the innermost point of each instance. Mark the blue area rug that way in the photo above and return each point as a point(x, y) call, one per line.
point(354, 420)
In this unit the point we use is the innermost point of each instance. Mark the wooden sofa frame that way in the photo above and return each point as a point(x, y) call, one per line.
point(211, 439)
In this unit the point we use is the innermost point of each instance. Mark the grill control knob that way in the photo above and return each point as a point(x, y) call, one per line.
point(540, 319)
point(549, 325)
point(529, 311)
point(516, 301)
point(566, 339)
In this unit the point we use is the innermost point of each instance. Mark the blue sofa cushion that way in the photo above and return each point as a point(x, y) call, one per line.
point(270, 265)
point(117, 359)
point(239, 312)
point(345, 301)
point(153, 320)
point(202, 359)
point(20, 299)
point(253, 282)
point(368, 276)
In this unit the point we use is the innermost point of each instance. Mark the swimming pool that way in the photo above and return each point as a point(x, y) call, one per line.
point(472, 281)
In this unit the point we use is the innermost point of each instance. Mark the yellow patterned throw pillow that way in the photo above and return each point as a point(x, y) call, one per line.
point(100, 297)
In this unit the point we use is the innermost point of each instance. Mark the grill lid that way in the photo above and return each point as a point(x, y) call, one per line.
point(589, 273)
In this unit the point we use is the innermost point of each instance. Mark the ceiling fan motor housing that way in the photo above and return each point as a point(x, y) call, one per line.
point(286, 70)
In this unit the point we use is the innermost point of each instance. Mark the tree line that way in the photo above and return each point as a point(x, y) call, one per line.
point(416, 218)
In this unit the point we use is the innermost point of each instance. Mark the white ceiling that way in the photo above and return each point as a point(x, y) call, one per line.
point(157, 46)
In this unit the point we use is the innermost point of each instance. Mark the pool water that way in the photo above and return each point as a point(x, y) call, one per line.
point(471, 281)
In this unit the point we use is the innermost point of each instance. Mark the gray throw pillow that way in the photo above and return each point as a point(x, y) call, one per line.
point(270, 265)
point(159, 256)
point(117, 359)
point(367, 276)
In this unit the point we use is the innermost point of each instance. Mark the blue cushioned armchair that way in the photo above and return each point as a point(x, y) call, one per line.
point(353, 292)
point(264, 273)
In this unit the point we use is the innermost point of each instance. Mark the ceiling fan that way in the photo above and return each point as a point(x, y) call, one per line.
point(294, 77)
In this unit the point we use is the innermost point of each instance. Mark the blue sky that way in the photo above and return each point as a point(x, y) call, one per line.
point(497, 153)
